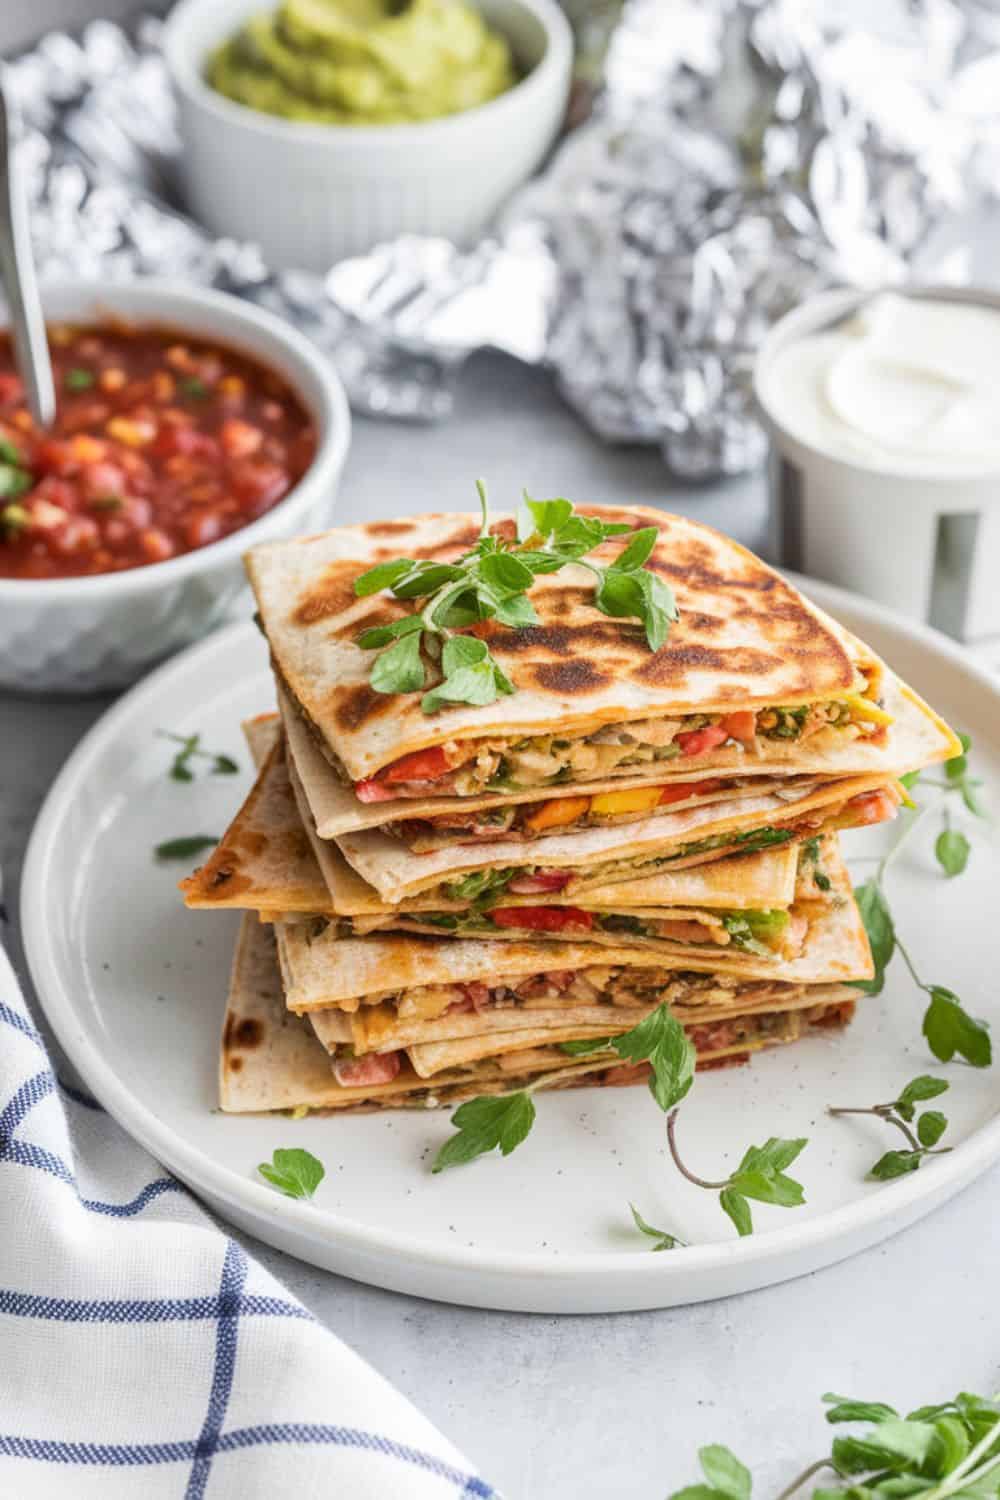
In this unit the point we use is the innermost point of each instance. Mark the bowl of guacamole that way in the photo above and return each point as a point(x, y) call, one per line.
point(319, 128)
point(363, 62)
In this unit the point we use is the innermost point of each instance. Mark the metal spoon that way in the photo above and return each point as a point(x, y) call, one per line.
point(17, 273)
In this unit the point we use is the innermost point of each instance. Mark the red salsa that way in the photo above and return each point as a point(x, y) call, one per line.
point(162, 444)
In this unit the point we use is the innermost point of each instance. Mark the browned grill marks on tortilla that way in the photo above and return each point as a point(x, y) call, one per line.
point(358, 705)
point(331, 594)
point(388, 528)
point(569, 677)
point(247, 1032)
point(459, 541)
point(674, 663)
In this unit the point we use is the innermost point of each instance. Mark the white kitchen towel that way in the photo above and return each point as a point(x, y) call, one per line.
point(144, 1355)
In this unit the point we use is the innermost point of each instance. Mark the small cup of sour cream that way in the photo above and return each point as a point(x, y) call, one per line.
point(884, 414)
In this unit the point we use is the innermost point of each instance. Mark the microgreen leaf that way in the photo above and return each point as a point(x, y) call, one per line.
point(881, 932)
point(917, 1091)
point(502, 570)
point(738, 1209)
point(949, 1028)
point(185, 848)
point(399, 668)
point(724, 1472)
point(490, 582)
point(483, 1125)
point(664, 1239)
point(382, 576)
point(381, 635)
point(931, 1126)
point(641, 544)
point(895, 1164)
point(846, 1409)
point(191, 749)
point(295, 1172)
point(951, 849)
point(660, 1039)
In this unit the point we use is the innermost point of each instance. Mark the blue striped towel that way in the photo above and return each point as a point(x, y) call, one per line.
point(143, 1354)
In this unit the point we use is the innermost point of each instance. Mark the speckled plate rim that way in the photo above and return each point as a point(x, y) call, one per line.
point(398, 1260)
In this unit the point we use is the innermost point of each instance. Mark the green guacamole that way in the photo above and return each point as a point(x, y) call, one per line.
point(363, 62)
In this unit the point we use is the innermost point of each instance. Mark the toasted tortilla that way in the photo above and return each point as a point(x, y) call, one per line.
point(496, 1030)
point(262, 864)
point(916, 738)
point(597, 857)
point(745, 638)
point(272, 1060)
point(323, 970)
point(431, 1057)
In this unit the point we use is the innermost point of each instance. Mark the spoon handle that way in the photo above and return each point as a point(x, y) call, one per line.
point(17, 272)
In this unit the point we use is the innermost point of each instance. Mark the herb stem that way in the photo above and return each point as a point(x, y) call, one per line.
point(796, 1484)
point(908, 961)
point(955, 1479)
point(682, 1169)
point(881, 1112)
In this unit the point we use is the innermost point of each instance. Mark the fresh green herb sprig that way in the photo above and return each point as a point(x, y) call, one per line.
point(484, 1124)
point(947, 1025)
point(901, 1112)
point(293, 1171)
point(664, 1240)
point(180, 766)
point(760, 1176)
point(659, 1039)
point(489, 1122)
point(947, 1451)
point(491, 582)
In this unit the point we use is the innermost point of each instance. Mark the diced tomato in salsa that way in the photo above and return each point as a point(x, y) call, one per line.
point(161, 444)
point(543, 918)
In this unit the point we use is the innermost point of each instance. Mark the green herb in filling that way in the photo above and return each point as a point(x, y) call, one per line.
point(483, 886)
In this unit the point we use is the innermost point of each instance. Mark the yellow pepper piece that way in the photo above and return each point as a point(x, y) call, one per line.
point(557, 813)
point(636, 799)
point(864, 708)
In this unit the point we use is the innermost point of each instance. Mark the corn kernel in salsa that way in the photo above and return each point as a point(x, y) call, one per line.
point(161, 444)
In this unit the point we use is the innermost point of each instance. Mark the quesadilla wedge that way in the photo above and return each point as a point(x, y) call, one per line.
point(658, 920)
point(751, 668)
point(272, 1060)
point(389, 981)
point(916, 738)
point(599, 857)
point(263, 863)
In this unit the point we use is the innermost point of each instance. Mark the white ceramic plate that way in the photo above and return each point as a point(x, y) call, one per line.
point(134, 986)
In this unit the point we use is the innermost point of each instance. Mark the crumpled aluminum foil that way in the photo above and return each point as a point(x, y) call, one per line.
point(742, 155)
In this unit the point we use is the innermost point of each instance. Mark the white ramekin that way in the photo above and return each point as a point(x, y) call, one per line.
point(82, 634)
point(926, 544)
point(311, 194)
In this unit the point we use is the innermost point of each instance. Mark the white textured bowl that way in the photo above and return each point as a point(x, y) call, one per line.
point(310, 194)
point(82, 634)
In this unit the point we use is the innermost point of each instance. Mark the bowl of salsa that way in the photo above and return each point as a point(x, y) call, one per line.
point(190, 426)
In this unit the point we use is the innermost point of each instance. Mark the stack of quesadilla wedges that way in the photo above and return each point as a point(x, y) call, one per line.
point(457, 903)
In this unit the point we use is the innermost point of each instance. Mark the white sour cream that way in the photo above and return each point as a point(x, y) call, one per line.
point(907, 385)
